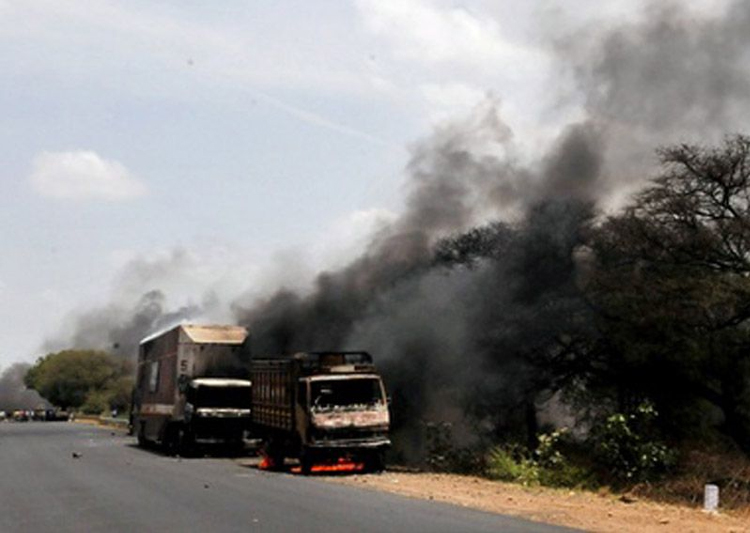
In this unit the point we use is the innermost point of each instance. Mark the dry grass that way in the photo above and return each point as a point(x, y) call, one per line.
point(729, 469)
point(603, 511)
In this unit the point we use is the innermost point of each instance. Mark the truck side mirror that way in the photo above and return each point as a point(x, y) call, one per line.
point(182, 383)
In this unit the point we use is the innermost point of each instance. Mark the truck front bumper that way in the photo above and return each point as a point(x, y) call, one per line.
point(209, 430)
point(351, 444)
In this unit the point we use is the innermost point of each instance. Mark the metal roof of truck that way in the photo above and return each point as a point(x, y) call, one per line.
point(206, 334)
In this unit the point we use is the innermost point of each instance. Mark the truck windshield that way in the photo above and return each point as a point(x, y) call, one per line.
point(345, 394)
point(222, 397)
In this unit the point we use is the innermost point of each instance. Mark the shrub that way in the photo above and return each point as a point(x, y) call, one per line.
point(544, 466)
point(568, 475)
point(627, 447)
point(505, 464)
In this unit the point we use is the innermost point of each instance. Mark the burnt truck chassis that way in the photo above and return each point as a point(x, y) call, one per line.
point(285, 418)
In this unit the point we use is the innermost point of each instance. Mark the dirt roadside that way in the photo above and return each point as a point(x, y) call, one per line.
point(583, 510)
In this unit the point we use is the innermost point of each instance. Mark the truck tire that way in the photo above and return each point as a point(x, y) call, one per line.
point(236, 448)
point(170, 442)
point(375, 462)
point(273, 449)
point(142, 442)
point(306, 461)
point(185, 442)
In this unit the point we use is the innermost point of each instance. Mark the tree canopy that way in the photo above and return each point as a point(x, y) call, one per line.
point(88, 379)
point(648, 305)
point(671, 289)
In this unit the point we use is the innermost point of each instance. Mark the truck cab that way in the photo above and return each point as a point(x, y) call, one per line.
point(321, 407)
point(344, 410)
point(216, 409)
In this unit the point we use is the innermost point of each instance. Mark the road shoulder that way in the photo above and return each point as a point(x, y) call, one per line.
point(577, 509)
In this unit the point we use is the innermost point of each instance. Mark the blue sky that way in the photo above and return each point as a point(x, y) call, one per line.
point(229, 138)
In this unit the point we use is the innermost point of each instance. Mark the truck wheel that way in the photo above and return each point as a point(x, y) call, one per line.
point(375, 462)
point(306, 461)
point(277, 458)
point(171, 441)
point(275, 453)
point(185, 443)
point(142, 442)
point(237, 448)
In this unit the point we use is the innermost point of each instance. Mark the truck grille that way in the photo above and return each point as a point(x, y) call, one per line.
point(348, 434)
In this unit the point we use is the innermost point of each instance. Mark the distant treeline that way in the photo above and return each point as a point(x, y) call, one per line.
point(89, 380)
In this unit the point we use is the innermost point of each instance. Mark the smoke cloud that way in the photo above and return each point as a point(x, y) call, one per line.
point(14, 394)
point(479, 337)
point(137, 308)
point(675, 76)
point(454, 337)
point(118, 329)
point(449, 337)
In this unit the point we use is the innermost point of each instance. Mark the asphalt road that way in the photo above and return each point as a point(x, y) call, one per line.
point(116, 487)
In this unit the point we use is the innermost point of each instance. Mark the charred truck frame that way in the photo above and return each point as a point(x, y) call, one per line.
point(191, 388)
point(320, 407)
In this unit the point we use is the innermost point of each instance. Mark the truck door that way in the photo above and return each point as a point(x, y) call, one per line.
point(301, 418)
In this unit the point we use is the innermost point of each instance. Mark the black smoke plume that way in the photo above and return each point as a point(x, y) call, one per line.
point(469, 300)
point(137, 308)
point(490, 332)
point(442, 331)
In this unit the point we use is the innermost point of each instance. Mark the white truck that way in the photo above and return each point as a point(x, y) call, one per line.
point(191, 388)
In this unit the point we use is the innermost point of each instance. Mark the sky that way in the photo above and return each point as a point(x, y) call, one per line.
point(229, 147)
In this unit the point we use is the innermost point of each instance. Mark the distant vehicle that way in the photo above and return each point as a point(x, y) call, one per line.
point(51, 414)
point(191, 388)
point(322, 408)
point(3, 416)
point(20, 415)
point(57, 415)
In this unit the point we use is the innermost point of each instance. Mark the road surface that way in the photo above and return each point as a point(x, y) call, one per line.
point(113, 487)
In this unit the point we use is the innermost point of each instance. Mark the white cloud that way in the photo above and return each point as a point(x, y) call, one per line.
point(426, 31)
point(83, 175)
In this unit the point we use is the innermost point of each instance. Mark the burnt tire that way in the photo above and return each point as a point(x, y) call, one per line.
point(274, 451)
point(375, 462)
point(306, 462)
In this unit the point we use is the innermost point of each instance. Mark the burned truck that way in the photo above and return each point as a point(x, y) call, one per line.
point(323, 408)
point(191, 388)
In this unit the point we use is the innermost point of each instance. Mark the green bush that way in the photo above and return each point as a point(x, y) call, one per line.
point(626, 445)
point(566, 475)
point(555, 469)
point(544, 466)
point(506, 464)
